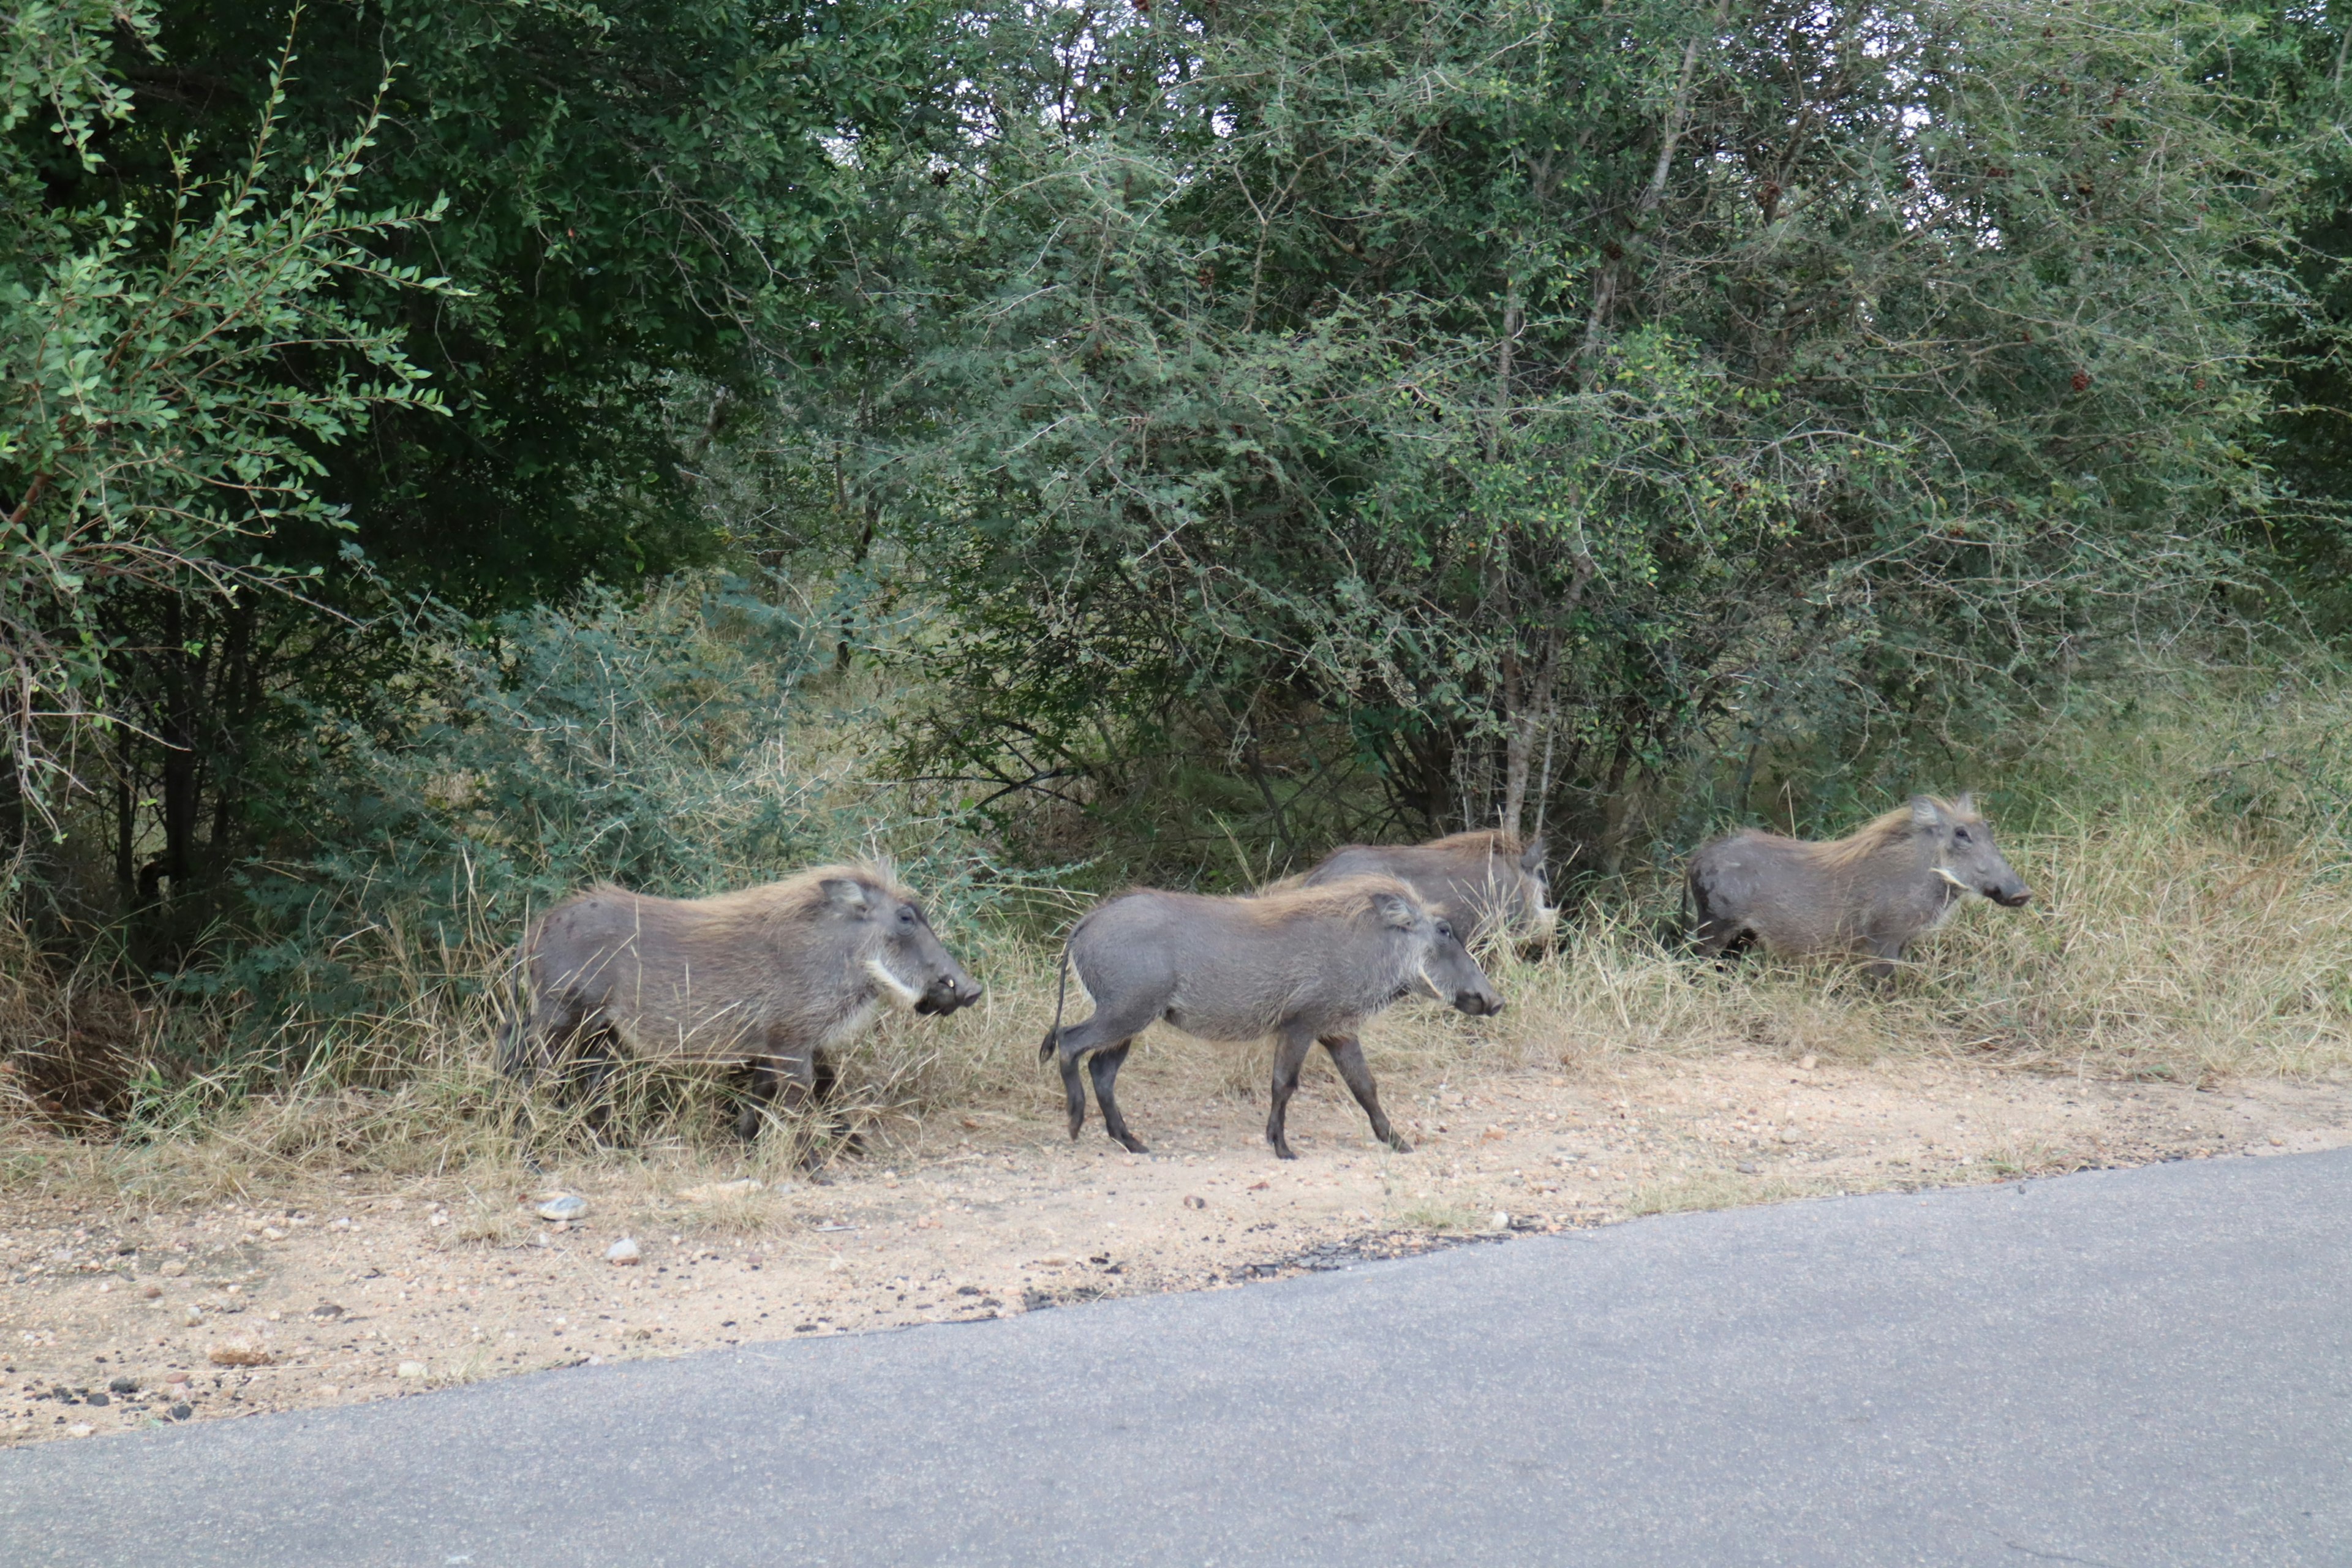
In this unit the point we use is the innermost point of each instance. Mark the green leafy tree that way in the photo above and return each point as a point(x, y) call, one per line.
point(154, 435)
point(1594, 411)
point(625, 199)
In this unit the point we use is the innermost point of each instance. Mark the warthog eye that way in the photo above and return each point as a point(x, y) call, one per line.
point(1444, 930)
point(1960, 835)
point(906, 915)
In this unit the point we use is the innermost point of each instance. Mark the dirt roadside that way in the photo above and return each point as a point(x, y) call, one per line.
point(353, 1290)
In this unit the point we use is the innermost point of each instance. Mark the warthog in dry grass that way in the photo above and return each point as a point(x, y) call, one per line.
point(770, 976)
point(1871, 894)
point(1482, 883)
point(1303, 964)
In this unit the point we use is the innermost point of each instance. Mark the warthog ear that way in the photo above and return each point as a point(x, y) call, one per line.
point(845, 893)
point(1924, 812)
point(1534, 855)
point(1965, 804)
point(1393, 910)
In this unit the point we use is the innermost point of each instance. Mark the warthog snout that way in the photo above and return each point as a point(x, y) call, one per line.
point(947, 993)
point(1478, 1004)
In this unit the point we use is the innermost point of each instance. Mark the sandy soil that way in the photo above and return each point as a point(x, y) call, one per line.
point(347, 1290)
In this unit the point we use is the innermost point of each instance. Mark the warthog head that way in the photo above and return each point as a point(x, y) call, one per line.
point(1440, 961)
point(902, 954)
point(1966, 855)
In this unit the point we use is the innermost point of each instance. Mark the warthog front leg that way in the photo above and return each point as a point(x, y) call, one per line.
point(1886, 960)
point(1347, 1056)
point(796, 1080)
point(1104, 1066)
point(1290, 1048)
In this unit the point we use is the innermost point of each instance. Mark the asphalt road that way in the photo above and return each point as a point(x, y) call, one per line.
point(2138, 1367)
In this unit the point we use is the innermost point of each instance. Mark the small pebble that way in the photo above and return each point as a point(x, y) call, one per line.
point(1749, 1167)
point(182, 1412)
point(326, 1310)
point(410, 1369)
point(1195, 1202)
point(271, 1233)
point(149, 1292)
point(622, 1253)
point(237, 1352)
point(1502, 1219)
point(177, 1377)
point(173, 1269)
point(124, 1385)
point(100, 1399)
point(80, 1429)
point(192, 1316)
point(563, 1205)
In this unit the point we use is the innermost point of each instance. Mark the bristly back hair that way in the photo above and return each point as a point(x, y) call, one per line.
point(1880, 831)
point(1494, 840)
point(1340, 896)
point(801, 890)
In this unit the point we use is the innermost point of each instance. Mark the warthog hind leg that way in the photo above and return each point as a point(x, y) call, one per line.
point(1290, 1050)
point(757, 1095)
point(1104, 1066)
point(1347, 1056)
point(1886, 960)
point(825, 1078)
point(1725, 942)
point(590, 1054)
point(1108, 1029)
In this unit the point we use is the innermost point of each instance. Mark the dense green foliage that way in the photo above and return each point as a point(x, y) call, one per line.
point(578, 209)
point(155, 435)
point(1586, 409)
point(1237, 425)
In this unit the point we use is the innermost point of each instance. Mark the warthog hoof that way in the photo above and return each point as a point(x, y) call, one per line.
point(1396, 1142)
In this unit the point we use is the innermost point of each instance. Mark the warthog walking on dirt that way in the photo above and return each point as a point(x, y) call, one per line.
point(1481, 883)
point(1871, 894)
point(771, 976)
point(1303, 964)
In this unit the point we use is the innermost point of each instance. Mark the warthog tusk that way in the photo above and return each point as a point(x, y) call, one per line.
point(1955, 882)
point(1435, 993)
point(898, 990)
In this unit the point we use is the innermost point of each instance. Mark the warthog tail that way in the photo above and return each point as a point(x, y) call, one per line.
point(1061, 994)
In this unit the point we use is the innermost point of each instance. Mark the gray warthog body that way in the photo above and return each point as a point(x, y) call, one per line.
point(771, 976)
point(1481, 883)
point(1302, 964)
point(1872, 893)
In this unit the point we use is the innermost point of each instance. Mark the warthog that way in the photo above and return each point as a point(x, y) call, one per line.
point(1481, 883)
point(771, 976)
point(1302, 964)
point(1872, 893)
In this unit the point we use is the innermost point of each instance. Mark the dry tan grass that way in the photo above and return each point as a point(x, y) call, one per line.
point(2151, 951)
point(2193, 919)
